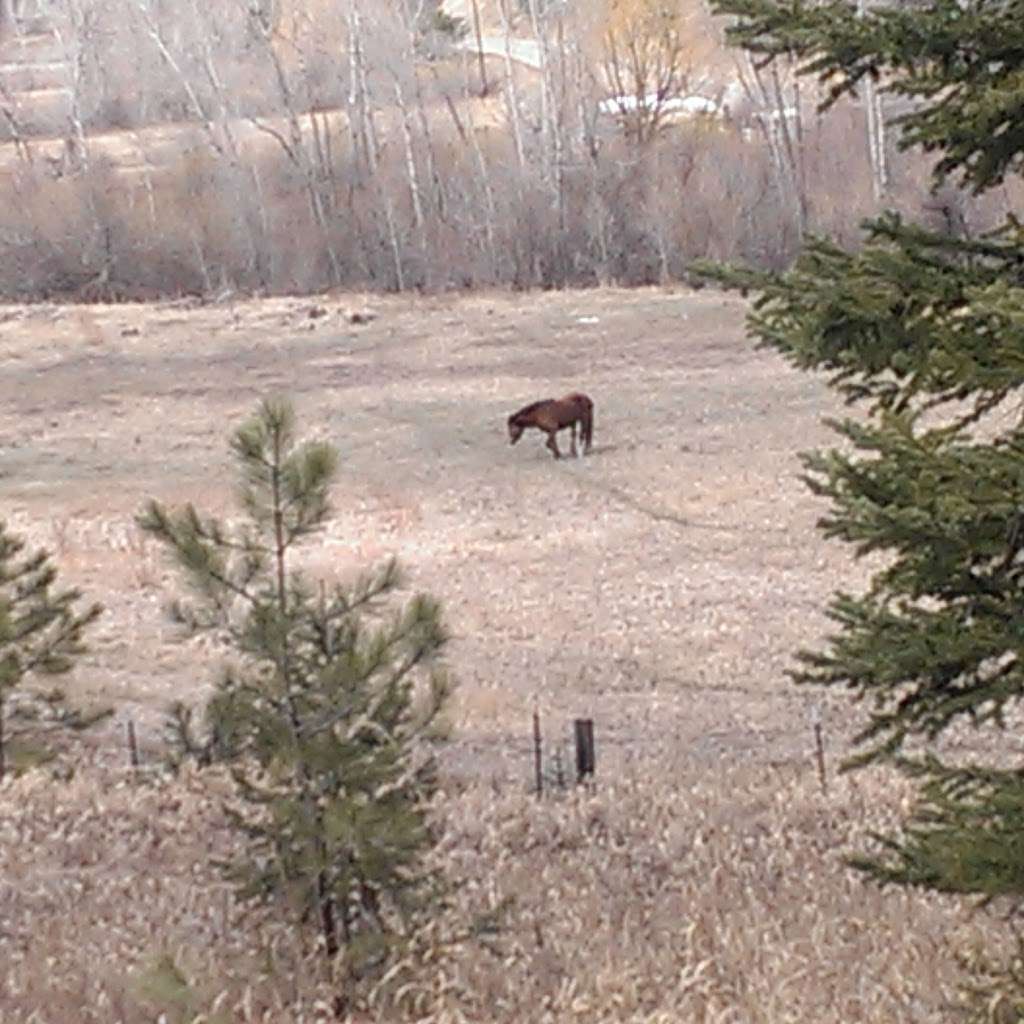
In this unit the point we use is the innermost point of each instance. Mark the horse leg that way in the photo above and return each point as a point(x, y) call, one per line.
point(553, 444)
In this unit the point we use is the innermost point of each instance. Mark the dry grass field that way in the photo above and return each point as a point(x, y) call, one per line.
point(658, 586)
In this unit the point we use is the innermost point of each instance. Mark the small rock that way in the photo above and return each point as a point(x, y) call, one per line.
point(130, 332)
point(315, 312)
point(360, 316)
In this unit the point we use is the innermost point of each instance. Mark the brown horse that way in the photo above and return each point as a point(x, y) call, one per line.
point(554, 414)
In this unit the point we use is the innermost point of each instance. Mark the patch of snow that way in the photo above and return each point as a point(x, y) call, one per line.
point(690, 106)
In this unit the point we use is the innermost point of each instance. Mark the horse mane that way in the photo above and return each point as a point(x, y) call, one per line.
point(527, 409)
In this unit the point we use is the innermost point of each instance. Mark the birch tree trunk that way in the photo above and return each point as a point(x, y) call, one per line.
point(876, 131)
point(488, 190)
point(365, 106)
point(295, 148)
point(792, 145)
point(772, 120)
point(440, 203)
point(73, 45)
point(9, 112)
point(419, 222)
point(361, 126)
point(511, 92)
point(219, 134)
point(396, 248)
point(484, 88)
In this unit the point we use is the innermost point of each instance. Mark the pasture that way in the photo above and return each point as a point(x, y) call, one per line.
point(658, 586)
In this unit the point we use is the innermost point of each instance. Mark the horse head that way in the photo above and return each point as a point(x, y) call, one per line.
point(515, 430)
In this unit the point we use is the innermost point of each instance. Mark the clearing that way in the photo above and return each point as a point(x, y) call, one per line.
point(658, 586)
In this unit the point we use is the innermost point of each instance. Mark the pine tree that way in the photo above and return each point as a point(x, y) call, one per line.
point(924, 333)
point(41, 634)
point(325, 721)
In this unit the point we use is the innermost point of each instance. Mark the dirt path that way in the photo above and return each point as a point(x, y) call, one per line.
point(658, 586)
point(523, 51)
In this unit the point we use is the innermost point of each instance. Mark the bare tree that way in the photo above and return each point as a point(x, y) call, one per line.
point(484, 88)
point(220, 133)
point(645, 62)
point(9, 111)
point(360, 110)
point(76, 42)
point(779, 121)
point(511, 93)
point(293, 144)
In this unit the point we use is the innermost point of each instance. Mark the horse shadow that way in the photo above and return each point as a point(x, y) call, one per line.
point(602, 449)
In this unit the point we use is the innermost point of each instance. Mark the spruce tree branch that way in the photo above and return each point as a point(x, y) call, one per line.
point(963, 62)
point(66, 638)
point(227, 584)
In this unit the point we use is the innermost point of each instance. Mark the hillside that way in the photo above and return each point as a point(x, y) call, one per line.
point(152, 153)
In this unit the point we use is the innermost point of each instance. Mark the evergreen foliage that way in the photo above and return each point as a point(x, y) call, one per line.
point(924, 334)
point(326, 719)
point(41, 634)
point(961, 60)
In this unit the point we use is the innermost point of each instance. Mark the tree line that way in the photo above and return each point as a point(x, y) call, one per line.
point(376, 146)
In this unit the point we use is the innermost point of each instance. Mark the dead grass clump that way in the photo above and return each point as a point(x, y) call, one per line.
point(104, 880)
point(699, 899)
point(661, 895)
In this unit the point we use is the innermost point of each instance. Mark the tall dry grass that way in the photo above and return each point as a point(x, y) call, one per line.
point(669, 892)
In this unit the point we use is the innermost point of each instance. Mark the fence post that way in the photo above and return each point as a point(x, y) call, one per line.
point(585, 760)
point(538, 763)
point(819, 748)
point(133, 746)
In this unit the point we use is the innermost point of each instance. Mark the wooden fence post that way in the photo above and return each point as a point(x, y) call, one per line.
point(585, 760)
point(133, 746)
point(538, 763)
point(819, 748)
